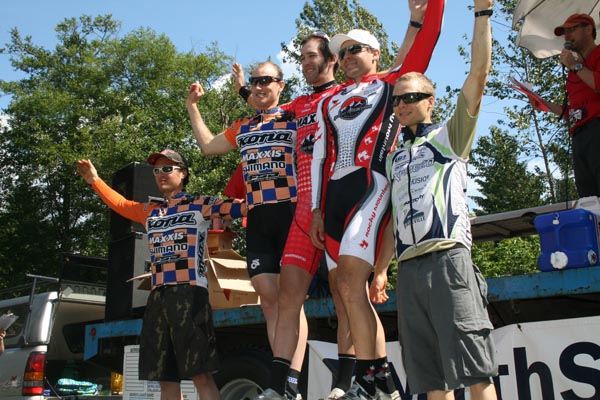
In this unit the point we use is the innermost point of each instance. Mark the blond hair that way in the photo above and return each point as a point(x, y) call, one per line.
point(425, 84)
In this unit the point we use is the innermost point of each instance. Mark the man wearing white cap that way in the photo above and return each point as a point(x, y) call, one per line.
point(357, 129)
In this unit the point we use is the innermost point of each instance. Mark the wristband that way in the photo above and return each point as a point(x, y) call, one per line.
point(415, 24)
point(484, 12)
point(244, 92)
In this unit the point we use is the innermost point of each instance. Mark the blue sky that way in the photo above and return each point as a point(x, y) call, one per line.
point(250, 32)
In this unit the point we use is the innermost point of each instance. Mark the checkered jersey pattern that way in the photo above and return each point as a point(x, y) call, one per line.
point(177, 231)
point(177, 238)
point(266, 144)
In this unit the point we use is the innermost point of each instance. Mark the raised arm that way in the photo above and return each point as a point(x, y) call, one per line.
point(417, 15)
point(237, 73)
point(240, 84)
point(481, 53)
point(209, 143)
point(114, 200)
point(418, 56)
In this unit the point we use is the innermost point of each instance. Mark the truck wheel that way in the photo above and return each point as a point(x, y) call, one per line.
point(243, 375)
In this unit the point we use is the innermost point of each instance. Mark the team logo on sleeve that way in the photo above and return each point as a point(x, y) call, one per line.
point(353, 107)
point(307, 144)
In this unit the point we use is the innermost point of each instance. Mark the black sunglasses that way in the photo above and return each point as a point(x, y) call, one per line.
point(409, 98)
point(353, 49)
point(165, 169)
point(262, 80)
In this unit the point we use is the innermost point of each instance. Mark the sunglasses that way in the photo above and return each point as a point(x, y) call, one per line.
point(353, 49)
point(262, 80)
point(409, 98)
point(165, 169)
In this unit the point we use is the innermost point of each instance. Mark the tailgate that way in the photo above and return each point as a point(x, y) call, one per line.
point(12, 366)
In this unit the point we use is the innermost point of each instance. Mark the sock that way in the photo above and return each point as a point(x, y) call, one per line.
point(383, 376)
point(345, 371)
point(280, 368)
point(365, 375)
point(292, 383)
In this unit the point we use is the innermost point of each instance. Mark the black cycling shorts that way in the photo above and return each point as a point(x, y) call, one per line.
point(266, 234)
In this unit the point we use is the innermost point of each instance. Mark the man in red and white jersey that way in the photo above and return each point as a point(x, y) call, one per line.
point(301, 258)
point(357, 129)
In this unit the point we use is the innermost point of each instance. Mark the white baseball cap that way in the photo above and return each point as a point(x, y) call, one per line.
point(359, 35)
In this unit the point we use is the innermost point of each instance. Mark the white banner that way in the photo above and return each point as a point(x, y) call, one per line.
point(538, 360)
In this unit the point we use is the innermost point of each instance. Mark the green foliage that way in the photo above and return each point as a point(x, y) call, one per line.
point(498, 172)
point(339, 16)
point(515, 256)
point(108, 98)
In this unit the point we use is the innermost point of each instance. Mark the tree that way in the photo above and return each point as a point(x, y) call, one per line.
point(335, 16)
point(498, 171)
point(540, 135)
point(113, 100)
point(514, 256)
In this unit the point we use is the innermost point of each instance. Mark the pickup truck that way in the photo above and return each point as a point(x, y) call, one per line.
point(43, 354)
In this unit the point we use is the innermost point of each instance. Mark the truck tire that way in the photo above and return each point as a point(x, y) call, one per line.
point(244, 374)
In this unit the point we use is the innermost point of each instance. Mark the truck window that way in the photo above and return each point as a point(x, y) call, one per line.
point(16, 329)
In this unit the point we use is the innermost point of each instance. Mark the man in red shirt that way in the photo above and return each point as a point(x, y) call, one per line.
point(581, 57)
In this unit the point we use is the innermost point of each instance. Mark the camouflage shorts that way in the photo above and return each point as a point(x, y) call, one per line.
point(178, 338)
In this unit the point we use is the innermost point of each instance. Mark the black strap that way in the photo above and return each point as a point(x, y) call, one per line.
point(484, 12)
point(245, 92)
point(415, 24)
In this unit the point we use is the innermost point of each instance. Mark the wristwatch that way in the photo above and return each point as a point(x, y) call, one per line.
point(578, 67)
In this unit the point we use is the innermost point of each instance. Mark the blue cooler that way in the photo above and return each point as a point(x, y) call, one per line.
point(569, 239)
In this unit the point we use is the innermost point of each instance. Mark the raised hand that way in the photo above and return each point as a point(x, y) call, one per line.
point(196, 91)
point(238, 76)
point(87, 171)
